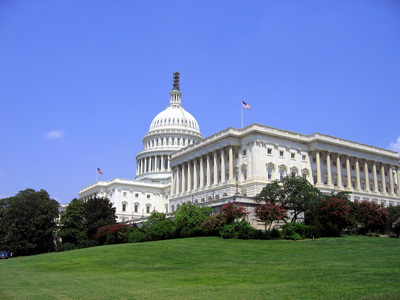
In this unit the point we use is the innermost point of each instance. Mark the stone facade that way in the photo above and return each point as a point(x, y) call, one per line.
point(177, 165)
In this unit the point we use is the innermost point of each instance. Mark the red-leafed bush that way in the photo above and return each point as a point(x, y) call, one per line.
point(233, 211)
point(370, 216)
point(113, 234)
point(334, 215)
point(268, 213)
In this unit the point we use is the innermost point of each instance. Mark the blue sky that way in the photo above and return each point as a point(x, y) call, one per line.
point(81, 81)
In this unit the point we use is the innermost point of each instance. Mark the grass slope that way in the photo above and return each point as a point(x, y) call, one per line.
point(211, 268)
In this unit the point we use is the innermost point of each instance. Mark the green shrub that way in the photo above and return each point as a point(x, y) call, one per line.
point(110, 240)
point(261, 234)
point(66, 247)
point(243, 230)
point(137, 236)
point(228, 231)
point(162, 230)
point(295, 231)
point(276, 234)
point(185, 232)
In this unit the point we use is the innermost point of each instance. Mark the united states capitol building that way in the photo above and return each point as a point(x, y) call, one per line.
point(178, 165)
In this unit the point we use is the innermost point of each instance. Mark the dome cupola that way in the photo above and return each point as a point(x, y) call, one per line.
point(172, 129)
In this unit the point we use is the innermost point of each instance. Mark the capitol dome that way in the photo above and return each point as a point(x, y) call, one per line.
point(174, 117)
point(171, 130)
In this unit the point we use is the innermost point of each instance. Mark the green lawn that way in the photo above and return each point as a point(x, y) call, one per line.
point(211, 268)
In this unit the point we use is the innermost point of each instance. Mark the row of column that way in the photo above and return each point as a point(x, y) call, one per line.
point(365, 170)
point(155, 163)
point(196, 173)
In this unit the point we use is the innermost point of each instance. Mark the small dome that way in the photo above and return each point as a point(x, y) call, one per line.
point(174, 117)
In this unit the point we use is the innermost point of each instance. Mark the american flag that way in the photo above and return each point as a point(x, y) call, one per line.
point(99, 171)
point(246, 105)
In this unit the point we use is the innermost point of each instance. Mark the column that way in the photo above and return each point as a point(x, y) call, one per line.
point(223, 179)
point(189, 180)
point(208, 172)
point(145, 164)
point(172, 182)
point(383, 179)
point(177, 180)
point(391, 180)
point(141, 166)
point(366, 176)
point(349, 185)
point(162, 163)
point(398, 182)
point(157, 163)
point(215, 181)
point(358, 181)
point(195, 174)
point(169, 162)
point(375, 178)
point(183, 179)
point(201, 172)
point(250, 159)
point(328, 168)
point(318, 168)
point(339, 172)
point(230, 163)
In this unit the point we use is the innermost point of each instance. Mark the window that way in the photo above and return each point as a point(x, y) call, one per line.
point(353, 167)
point(136, 208)
point(269, 173)
point(148, 196)
point(314, 159)
point(303, 157)
point(282, 173)
point(292, 155)
point(305, 175)
point(123, 206)
point(281, 153)
point(269, 151)
point(147, 209)
point(136, 195)
point(124, 194)
point(244, 152)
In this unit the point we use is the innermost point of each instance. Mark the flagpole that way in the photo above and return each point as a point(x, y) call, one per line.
point(241, 108)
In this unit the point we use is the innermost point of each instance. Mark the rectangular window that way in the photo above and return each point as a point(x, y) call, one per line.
point(303, 157)
point(148, 209)
point(123, 207)
point(292, 155)
point(305, 175)
point(136, 195)
point(314, 159)
point(269, 151)
point(148, 196)
point(282, 173)
point(136, 208)
point(124, 194)
point(269, 173)
point(281, 153)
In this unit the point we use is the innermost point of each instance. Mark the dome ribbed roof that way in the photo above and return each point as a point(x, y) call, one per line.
point(174, 117)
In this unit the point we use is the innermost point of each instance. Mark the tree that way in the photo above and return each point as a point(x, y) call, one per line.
point(370, 216)
point(294, 193)
point(73, 224)
point(98, 212)
point(28, 222)
point(82, 219)
point(233, 211)
point(268, 213)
